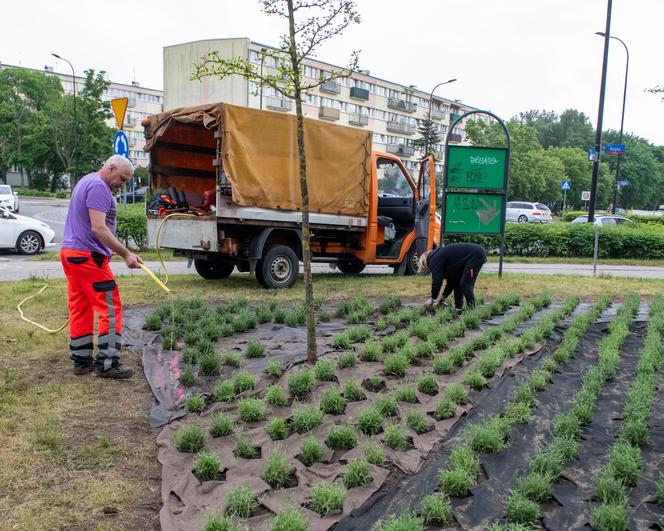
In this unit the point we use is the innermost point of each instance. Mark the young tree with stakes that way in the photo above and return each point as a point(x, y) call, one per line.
point(317, 22)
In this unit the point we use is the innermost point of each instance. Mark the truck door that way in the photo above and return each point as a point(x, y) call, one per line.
point(425, 213)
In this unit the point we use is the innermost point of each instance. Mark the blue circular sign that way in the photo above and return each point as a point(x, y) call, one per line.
point(121, 144)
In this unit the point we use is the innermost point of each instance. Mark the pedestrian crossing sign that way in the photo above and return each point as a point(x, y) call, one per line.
point(566, 186)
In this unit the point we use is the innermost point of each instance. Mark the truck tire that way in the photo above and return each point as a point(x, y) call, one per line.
point(278, 268)
point(214, 269)
point(351, 266)
point(411, 261)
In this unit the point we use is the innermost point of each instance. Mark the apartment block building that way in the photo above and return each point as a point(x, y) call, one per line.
point(390, 110)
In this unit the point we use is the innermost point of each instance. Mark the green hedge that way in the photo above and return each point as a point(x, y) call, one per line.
point(574, 240)
point(29, 192)
point(132, 227)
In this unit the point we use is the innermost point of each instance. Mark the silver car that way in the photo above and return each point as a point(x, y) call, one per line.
point(522, 212)
point(604, 221)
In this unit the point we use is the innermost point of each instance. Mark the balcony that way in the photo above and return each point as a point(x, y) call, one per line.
point(397, 127)
point(329, 113)
point(131, 102)
point(359, 93)
point(437, 115)
point(455, 137)
point(129, 122)
point(358, 119)
point(278, 104)
point(331, 87)
point(401, 105)
point(454, 116)
point(400, 149)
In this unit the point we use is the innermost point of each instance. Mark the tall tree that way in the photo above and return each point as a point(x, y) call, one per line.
point(571, 129)
point(310, 24)
point(428, 138)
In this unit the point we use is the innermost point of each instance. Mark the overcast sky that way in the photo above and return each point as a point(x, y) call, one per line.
point(508, 55)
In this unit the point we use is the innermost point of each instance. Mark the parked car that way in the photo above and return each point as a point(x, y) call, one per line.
point(136, 197)
point(522, 212)
point(26, 235)
point(604, 221)
point(8, 198)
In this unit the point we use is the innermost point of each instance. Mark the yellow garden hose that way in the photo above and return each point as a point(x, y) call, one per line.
point(20, 311)
point(161, 225)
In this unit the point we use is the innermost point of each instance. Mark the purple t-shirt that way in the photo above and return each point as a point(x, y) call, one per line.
point(90, 192)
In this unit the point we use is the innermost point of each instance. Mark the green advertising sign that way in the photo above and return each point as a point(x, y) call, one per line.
point(476, 167)
point(472, 213)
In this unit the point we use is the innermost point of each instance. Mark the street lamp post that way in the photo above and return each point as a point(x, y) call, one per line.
point(75, 153)
point(426, 150)
point(263, 50)
point(622, 116)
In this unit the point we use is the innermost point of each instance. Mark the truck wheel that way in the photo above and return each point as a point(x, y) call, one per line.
point(351, 266)
point(278, 268)
point(213, 269)
point(411, 261)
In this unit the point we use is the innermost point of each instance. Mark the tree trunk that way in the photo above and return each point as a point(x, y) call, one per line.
point(312, 354)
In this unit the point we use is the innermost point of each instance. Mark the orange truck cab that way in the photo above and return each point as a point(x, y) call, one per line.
point(225, 181)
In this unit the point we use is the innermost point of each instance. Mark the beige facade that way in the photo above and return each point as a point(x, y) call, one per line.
point(390, 110)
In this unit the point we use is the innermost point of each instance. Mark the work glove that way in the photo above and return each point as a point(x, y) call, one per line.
point(428, 304)
point(442, 304)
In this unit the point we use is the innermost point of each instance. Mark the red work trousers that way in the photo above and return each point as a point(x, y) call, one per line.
point(92, 289)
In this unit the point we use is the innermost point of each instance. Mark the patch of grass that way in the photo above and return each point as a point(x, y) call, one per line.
point(381, 324)
point(436, 510)
point(535, 487)
point(347, 359)
point(539, 379)
point(404, 522)
point(524, 395)
point(456, 481)
point(324, 371)
point(210, 364)
point(292, 519)
point(425, 349)
point(457, 393)
point(332, 402)
point(395, 365)
point(626, 461)
point(518, 413)
point(489, 437)
point(152, 321)
point(353, 391)
point(327, 498)
point(312, 451)
point(406, 393)
point(189, 439)
point(445, 409)
point(251, 409)
point(463, 458)
point(358, 333)
point(389, 305)
point(221, 425)
point(264, 313)
point(220, 523)
point(300, 383)
point(306, 417)
point(356, 473)
point(371, 351)
point(341, 341)
point(244, 448)
point(417, 421)
point(373, 453)
point(275, 368)
point(610, 489)
point(207, 466)
point(475, 379)
point(195, 403)
point(395, 437)
point(443, 365)
point(520, 509)
point(255, 349)
point(276, 429)
point(428, 384)
point(386, 406)
point(609, 516)
point(341, 437)
point(190, 355)
point(224, 391)
point(240, 502)
point(243, 381)
point(369, 421)
point(231, 358)
point(277, 470)
point(187, 377)
point(324, 316)
point(275, 396)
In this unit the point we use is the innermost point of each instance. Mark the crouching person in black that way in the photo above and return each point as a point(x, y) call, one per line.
point(458, 264)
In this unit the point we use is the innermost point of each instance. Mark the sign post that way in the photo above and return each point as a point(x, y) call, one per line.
point(475, 188)
point(120, 142)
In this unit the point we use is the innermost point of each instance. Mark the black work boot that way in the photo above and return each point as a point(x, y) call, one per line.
point(83, 365)
point(117, 371)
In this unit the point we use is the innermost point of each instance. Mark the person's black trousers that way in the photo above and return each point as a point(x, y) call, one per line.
point(466, 287)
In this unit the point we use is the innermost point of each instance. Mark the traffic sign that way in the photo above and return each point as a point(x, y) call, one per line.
point(592, 154)
point(121, 144)
point(119, 106)
point(623, 182)
point(566, 186)
point(614, 149)
point(585, 196)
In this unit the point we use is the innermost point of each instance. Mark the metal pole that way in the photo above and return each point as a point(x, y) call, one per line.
point(263, 50)
point(600, 116)
point(596, 247)
point(426, 147)
point(564, 202)
point(75, 153)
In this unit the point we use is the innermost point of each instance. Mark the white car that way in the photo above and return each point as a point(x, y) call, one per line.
point(8, 198)
point(522, 212)
point(26, 235)
point(604, 221)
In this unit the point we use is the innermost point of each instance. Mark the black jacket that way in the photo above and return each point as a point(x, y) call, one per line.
point(449, 263)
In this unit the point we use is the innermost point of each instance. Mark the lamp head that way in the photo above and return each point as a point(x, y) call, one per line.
point(600, 33)
point(56, 56)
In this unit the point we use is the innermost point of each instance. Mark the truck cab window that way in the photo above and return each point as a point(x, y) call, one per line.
point(391, 180)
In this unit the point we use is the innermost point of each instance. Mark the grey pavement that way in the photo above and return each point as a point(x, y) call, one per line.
point(16, 268)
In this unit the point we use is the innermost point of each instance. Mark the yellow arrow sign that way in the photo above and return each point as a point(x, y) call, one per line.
point(119, 106)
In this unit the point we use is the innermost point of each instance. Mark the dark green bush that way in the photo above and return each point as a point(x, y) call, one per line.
point(132, 228)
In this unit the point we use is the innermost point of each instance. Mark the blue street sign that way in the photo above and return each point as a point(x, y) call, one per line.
point(121, 144)
point(592, 154)
point(566, 185)
point(614, 149)
point(624, 182)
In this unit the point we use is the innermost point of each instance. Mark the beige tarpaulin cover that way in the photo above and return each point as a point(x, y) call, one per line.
point(259, 151)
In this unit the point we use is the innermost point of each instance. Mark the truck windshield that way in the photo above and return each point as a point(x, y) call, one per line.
point(391, 180)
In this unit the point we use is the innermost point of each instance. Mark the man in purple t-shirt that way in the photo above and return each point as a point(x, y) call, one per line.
point(88, 244)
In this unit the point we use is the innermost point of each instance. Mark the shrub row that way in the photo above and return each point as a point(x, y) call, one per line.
point(29, 192)
point(132, 228)
point(522, 504)
point(625, 460)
